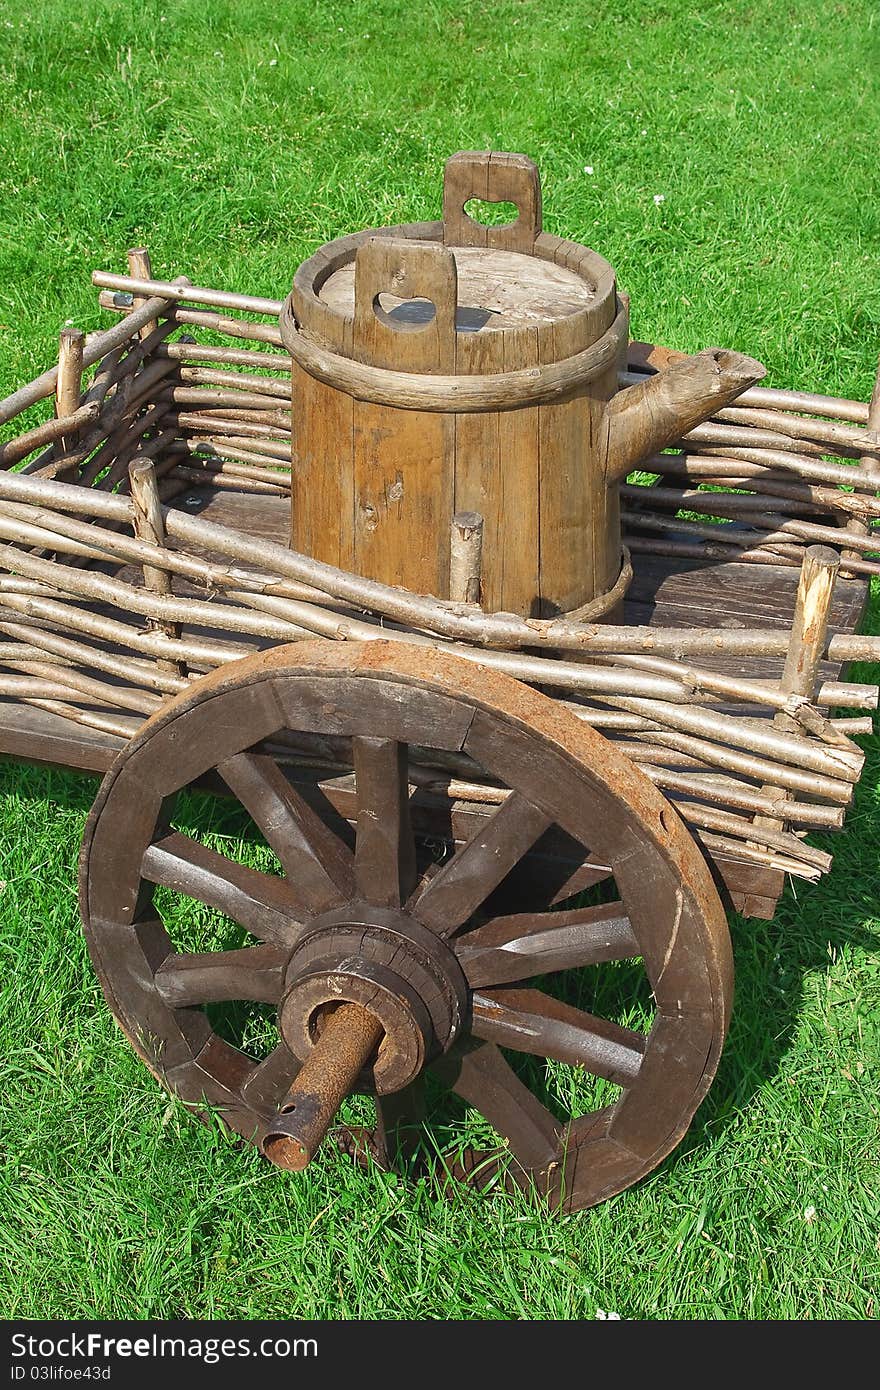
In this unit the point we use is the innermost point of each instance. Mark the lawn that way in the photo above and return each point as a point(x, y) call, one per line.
point(724, 158)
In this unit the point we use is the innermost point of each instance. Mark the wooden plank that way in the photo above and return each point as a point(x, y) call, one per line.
point(403, 459)
point(751, 889)
point(516, 503)
point(478, 460)
point(31, 735)
point(322, 485)
point(321, 515)
point(666, 593)
point(603, 539)
point(732, 590)
point(566, 500)
point(249, 513)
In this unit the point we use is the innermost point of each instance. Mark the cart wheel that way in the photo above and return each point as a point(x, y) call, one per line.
point(441, 981)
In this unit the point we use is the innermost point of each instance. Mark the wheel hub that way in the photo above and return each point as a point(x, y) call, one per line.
point(386, 961)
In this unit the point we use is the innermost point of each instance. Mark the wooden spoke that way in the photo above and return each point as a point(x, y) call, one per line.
point(557, 868)
point(455, 893)
point(385, 852)
point(261, 903)
point(484, 1079)
point(257, 972)
point(399, 1120)
point(587, 876)
point(518, 947)
point(527, 1020)
point(319, 868)
point(270, 1080)
point(394, 1143)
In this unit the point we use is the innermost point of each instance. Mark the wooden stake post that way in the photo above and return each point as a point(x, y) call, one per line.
point(140, 268)
point(809, 628)
point(149, 526)
point(466, 558)
point(68, 388)
point(809, 633)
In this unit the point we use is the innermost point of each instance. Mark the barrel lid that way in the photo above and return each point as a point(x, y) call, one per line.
point(496, 290)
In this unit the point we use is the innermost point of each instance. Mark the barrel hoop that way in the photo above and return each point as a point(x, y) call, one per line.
point(456, 395)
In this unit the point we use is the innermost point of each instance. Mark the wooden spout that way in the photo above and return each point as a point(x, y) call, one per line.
point(644, 418)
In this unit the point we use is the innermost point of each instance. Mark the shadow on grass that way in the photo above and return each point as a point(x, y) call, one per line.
point(773, 961)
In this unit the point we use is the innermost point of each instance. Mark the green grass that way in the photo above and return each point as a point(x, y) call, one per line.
point(231, 140)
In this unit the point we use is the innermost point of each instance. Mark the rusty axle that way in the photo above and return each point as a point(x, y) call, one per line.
point(350, 1037)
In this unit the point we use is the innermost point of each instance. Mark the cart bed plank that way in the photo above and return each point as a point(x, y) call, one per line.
point(32, 735)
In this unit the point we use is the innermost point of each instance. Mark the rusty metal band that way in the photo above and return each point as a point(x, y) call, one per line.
point(453, 394)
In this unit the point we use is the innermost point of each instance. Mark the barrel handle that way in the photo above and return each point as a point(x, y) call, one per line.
point(409, 270)
point(495, 178)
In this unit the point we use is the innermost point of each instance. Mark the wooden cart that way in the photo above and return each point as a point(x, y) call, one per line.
point(496, 714)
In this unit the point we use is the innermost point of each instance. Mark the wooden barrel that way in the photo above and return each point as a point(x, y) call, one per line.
point(455, 367)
